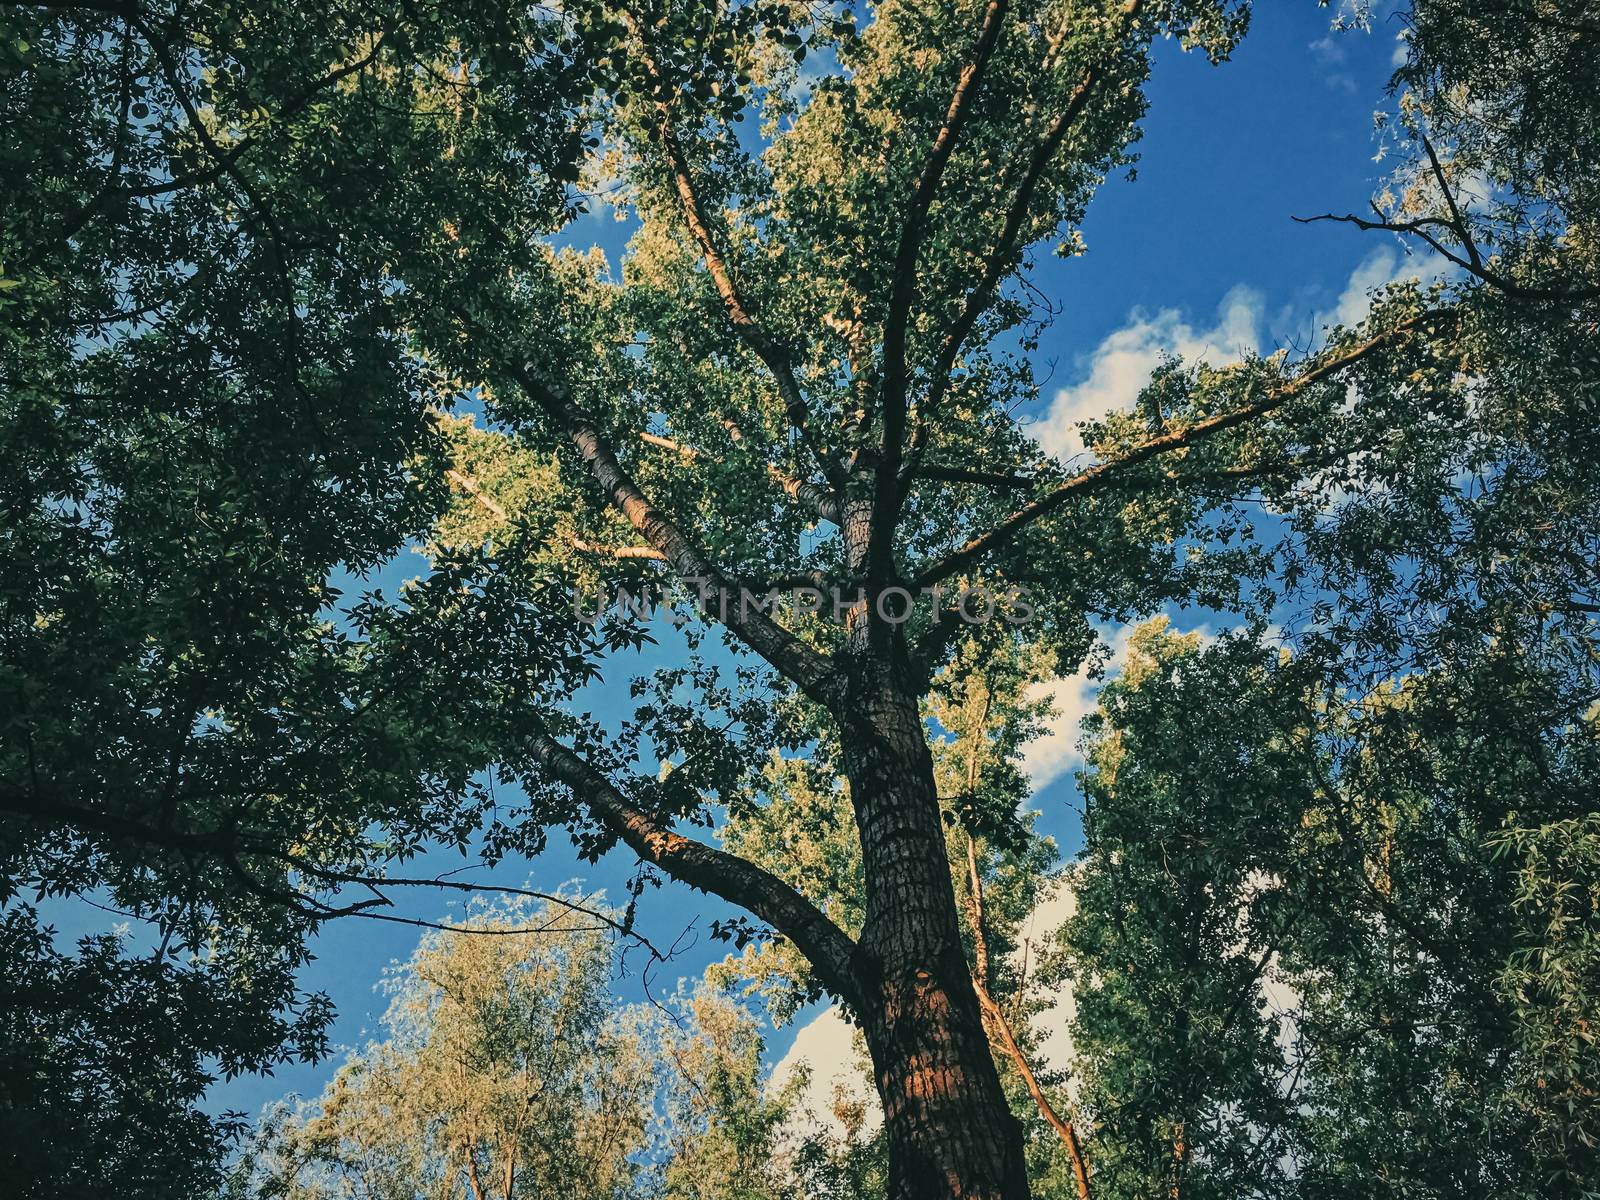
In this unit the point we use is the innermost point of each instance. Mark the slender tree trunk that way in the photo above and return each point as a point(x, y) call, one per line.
point(951, 1133)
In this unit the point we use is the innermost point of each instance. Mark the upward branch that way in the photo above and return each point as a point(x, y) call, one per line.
point(903, 295)
point(1005, 1036)
point(1109, 474)
point(818, 499)
point(788, 654)
point(749, 330)
point(996, 265)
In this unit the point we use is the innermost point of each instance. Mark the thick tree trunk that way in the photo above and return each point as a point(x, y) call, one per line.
point(950, 1131)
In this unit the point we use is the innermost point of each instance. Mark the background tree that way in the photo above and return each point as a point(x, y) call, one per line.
point(1304, 955)
point(1181, 914)
point(109, 1039)
point(507, 1072)
point(721, 1125)
point(510, 1070)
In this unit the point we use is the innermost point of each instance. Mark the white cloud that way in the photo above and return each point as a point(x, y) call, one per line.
point(1053, 1024)
point(1055, 752)
point(1379, 269)
point(828, 1047)
point(1327, 49)
point(1121, 365)
point(1402, 49)
point(1330, 53)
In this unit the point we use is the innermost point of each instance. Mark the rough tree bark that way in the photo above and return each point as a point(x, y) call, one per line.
point(950, 1130)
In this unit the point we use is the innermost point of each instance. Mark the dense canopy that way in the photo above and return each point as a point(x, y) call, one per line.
point(289, 294)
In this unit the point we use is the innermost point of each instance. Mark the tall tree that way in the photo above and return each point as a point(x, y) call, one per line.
point(819, 355)
point(807, 368)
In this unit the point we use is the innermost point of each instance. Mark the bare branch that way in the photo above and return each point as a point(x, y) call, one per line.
point(470, 888)
point(1450, 199)
point(1472, 262)
point(227, 847)
point(999, 1027)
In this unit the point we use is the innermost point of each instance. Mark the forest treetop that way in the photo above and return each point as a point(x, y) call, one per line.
point(258, 255)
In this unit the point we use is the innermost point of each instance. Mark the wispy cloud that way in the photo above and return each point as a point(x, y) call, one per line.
point(1121, 365)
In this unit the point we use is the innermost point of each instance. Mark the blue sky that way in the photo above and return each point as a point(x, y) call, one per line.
point(1198, 255)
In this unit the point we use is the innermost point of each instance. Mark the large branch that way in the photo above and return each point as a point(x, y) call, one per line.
point(979, 299)
point(827, 947)
point(817, 498)
point(788, 654)
point(940, 473)
point(649, 553)
point(904, 283)
point(749, 330)
point(1108, 474)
